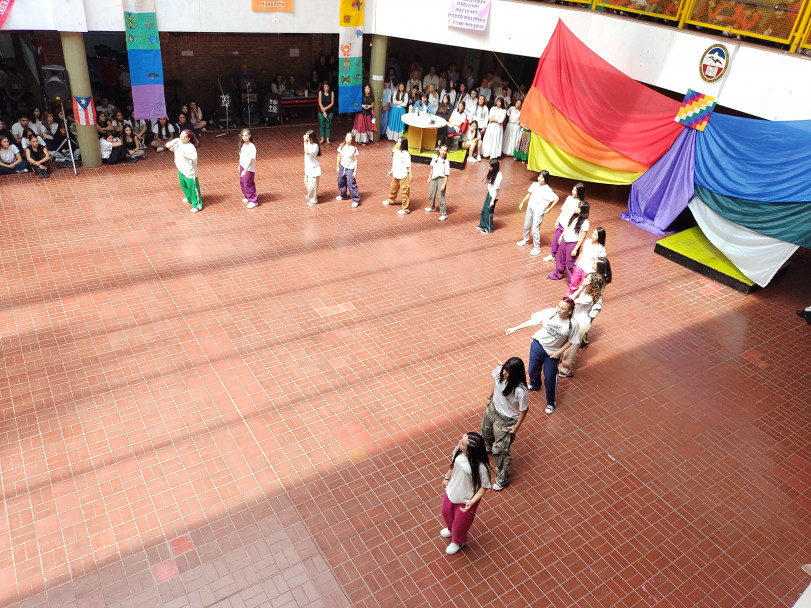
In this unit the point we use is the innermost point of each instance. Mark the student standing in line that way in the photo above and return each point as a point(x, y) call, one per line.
point(400, 176)
point(347, 169)
point(326, 102)
point(570, 242)
point(438, 182)
point(186, 163)
point(312, 166)
point(507, 407)
point(570, 205)
point(493, 179)
point(466, 481)
point(539, 200)
point(247, 168)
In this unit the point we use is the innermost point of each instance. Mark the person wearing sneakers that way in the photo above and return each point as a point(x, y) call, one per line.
point(559, 331)
point(438, 181)
point(247, 168)
point(162, 132)
point(507, 407)
point(400, 174)
point(539, 199)
point(312, 166)
point(472, 142)
point(570, 205)
point(347, 169)
point(465, 482)
point(186, 163)
point(805, 314)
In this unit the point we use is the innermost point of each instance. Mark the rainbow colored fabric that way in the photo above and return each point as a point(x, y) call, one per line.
point(695, 110)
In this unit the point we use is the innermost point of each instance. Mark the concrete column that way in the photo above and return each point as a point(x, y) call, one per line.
point(377, 71)
point(76, 65)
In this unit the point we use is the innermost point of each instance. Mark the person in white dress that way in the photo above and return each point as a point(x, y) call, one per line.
point(494, 136)
point(481, 114)
point(512, 132)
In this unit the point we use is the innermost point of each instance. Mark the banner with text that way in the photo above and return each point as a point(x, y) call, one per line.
point(146, 63)
point(469, 14)
point(278, 6)
point(350, 56)
point(5, 9)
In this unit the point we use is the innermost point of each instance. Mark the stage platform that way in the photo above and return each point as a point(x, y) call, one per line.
point(691, 249)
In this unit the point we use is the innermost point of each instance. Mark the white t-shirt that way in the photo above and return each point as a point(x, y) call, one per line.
point(566, 211)
point(590, 252)
point(247, 157)
point(400, 164)
point(37, 127)
point(106, 148)
point(187, 166)
point(513, 405)
point(349, 156)
point(494, 188)
point(17, 129)
point(10, 155)
point(460, 487)
point(555, 331)
point(169, 129)
point(312, 166)
point(439, 167)
point(540, 197)
point(569, 233)
point(24, 143)
point(586, 309)
point(480, 115)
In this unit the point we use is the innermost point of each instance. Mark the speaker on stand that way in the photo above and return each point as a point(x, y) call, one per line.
point(57, 89)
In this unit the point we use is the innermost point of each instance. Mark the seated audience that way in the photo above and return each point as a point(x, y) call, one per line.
point(59, 148)
point(5, 132)
point(103, 126)
point(106, 107)
point(195, 116)
point(162, 132)
point(277, 86)
point(290, 86)
point(472, 142)
point(433, 96)
point(423, 105)
point(113, 150)
point(36, 121)
point(118, 123)
point(414, 82)
point(182, 124)
point(19, 127)
point(132, 143)
point(11, 161)
point(38, 157)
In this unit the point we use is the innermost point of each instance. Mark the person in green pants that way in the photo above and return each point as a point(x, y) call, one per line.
point(186, 163)
point(326, 104)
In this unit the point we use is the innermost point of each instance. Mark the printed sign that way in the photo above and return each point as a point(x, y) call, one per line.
point(714, 63)
point(276, 6)
point(469, 14)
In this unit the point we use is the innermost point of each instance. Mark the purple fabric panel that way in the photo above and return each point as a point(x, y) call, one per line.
point(664, 190)
point(149, 101)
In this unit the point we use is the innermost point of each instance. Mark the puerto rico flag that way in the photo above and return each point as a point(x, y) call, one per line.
point(84, 110)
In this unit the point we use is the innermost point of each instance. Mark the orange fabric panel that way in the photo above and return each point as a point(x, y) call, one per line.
point(541, 117)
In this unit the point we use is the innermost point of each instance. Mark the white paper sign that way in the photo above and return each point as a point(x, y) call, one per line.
point(469, 14)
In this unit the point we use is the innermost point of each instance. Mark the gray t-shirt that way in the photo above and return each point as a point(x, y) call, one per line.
point(460, 487)
point(10, 155)
point(512, 405)
point(554, 331)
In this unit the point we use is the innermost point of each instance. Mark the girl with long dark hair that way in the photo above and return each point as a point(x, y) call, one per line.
point(587, 306)
point(593, 248)
point(363, 128)
point(465, 482)
point(399, 101)
point(507, 407)
point(493, 179)
point(247, 169)
point(570, 242)
point(569, 206)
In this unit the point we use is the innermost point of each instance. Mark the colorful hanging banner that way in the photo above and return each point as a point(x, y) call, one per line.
point(469, 14)
point(146, 64)
point(84, 110)
point(278, 6)
point(695, 110)
point(5, 9)
point(350, 56)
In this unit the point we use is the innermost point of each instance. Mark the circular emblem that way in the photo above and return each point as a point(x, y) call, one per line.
point(132, 21)
point(714, 63)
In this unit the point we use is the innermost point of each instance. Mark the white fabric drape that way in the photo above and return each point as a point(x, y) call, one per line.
point(757, 256)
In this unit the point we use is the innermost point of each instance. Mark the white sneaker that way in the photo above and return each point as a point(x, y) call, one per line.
point(339, 198)
point(535, 251)
point(550, 409)
point(498, 487)
point(355, 204)
point(442, 218)
point(403, 212)
point(522, 242)
point(386, 202)
point(445, 533)
point(244, 200)
point(310, 203)
point(203, 129)
point(429, 210)
point(194, 210)
point(252, 205)
point(472, 159)
point(185, 200)
point(479, 158)
point(453, 548)
point(549, 258)
point(161, 149)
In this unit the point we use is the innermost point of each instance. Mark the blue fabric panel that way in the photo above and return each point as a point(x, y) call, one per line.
point(756, 160)
point(146, 67)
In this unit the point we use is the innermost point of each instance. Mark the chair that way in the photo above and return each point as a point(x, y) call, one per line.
point(272, 109)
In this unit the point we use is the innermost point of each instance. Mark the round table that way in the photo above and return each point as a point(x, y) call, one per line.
point(422, 128)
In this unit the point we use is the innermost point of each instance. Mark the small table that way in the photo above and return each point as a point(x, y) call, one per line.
point(299, 102)
point(422, 130)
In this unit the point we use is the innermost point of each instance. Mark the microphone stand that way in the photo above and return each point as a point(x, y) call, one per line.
point(227, 103)
point(248, 99)
point(67, 134)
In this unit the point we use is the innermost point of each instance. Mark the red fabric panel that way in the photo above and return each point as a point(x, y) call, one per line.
point(618, 111)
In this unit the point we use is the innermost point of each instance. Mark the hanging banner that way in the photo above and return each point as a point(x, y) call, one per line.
point(469, 14)
point(146, 64)
point(278, 6)
point(5, 8)
point(84, 110)
point(350, 56)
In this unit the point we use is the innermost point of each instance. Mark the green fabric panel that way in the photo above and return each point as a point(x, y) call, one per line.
point(790, 222)
point(141, 30)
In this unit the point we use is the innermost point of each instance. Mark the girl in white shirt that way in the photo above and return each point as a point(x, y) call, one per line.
point(494, 179)
point(247, 168)
point(512, 132)
point(186, 163)
point(593, 248)
point(347, 169)
point(400, 176)
point(566, 211)
point(587, 305)
point(466, 481)
point(491, 143)
point(312, 166)
point(570, 242)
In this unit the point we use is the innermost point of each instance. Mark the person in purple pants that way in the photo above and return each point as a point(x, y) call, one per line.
point(247, 168)
point(570, 241)
point(347, 169)
point(566, 211)
point(466, 481)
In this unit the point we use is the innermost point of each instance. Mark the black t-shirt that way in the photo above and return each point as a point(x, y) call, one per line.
point(37, 154)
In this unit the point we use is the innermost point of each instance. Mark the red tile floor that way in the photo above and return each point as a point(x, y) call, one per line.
point(253, 407)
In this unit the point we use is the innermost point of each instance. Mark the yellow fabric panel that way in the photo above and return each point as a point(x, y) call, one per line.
point(543, 155)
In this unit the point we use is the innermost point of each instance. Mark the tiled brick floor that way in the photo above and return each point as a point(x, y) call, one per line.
point(253, 407)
